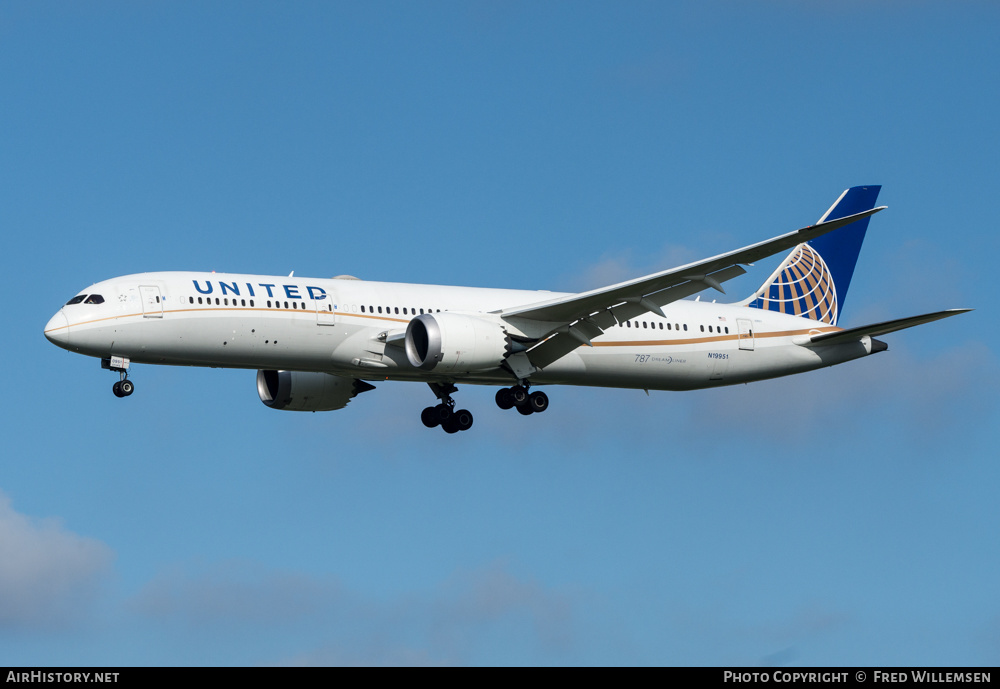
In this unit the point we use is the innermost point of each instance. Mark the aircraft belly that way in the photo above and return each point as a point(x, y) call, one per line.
point(651, 368)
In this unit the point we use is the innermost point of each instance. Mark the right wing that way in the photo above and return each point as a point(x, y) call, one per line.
point(566, 322)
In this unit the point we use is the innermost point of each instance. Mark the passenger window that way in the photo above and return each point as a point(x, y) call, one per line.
point(98, 299)
point(397, 310)
point(216, 301)
point(226, 300)
point(661, 326)
point(286, 304)
point(703, 328)
point(380, 309)
point(243, 302)
point(727, 329)
point(685, 327)
point(190, 300)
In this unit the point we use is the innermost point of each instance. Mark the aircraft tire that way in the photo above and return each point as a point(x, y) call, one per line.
point(505, 398)
point(451, 425)
point(443, 412)
point(117, 389)
point(463, 419)
point(520, 395)
point(429, 417)
point(524, 409)
point(538, 401)
point(126, 387)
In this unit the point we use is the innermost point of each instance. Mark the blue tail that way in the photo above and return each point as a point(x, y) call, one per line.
point(812, 281)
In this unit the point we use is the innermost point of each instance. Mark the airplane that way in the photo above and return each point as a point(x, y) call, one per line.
point(318, 343)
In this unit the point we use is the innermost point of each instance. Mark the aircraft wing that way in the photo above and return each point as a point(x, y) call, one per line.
point(854, 334)
point(577, 319)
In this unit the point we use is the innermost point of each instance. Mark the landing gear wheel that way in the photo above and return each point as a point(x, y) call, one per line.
point(538, 401)
point(463, 419)
point(520, 394)
point(126, 387)
point(505, 398)
point(117, 389)
point(429, 417)
point(443, 413)
point(451, 425)
point(524, 409)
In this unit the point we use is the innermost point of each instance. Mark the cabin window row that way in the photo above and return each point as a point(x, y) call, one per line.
point(225, 301)
point(394, 310)
point(222, 302)
point(675, 326)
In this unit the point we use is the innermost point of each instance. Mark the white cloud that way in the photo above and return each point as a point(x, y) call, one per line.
point(48, 576)
point(233, 592)
point(453, 623)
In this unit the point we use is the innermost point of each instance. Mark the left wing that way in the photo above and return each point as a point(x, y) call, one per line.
point(577, 319)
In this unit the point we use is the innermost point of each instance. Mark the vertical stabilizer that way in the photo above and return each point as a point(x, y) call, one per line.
point(813, 279)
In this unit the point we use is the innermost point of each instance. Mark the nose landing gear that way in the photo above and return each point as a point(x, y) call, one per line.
point(124, 387)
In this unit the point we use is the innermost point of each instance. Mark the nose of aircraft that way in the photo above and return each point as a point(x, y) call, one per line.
point(57, 330)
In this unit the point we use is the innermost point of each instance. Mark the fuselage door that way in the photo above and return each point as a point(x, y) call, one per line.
point(745, 327)
point(152, 302)
point(326, 311)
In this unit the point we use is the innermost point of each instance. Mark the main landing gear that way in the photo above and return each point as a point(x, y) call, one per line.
point(124, 387)
point(452, 421)
point(444, 414)
point(525, 402)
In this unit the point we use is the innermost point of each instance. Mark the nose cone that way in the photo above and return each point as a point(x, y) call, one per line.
point(57, 330)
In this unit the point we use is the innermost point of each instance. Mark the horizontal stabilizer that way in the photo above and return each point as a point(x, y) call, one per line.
point(854, 334)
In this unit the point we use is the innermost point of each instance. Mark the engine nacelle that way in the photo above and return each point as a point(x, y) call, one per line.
point(307, 391)
point(455, 342)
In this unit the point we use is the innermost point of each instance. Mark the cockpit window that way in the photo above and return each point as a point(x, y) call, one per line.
point(94, 299)
point(76, 300)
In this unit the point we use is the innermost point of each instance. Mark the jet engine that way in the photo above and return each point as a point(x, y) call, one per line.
point(307, 391)
point(455, 342)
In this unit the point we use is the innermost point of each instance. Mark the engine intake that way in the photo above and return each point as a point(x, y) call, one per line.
point(454, 343)
point(307, 391)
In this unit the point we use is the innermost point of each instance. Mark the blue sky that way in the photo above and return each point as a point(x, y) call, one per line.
point(846, 516)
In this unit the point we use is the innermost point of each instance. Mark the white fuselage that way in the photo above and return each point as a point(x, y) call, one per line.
point(352, 328)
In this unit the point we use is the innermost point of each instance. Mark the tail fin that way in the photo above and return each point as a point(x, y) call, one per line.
point(812, 281)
